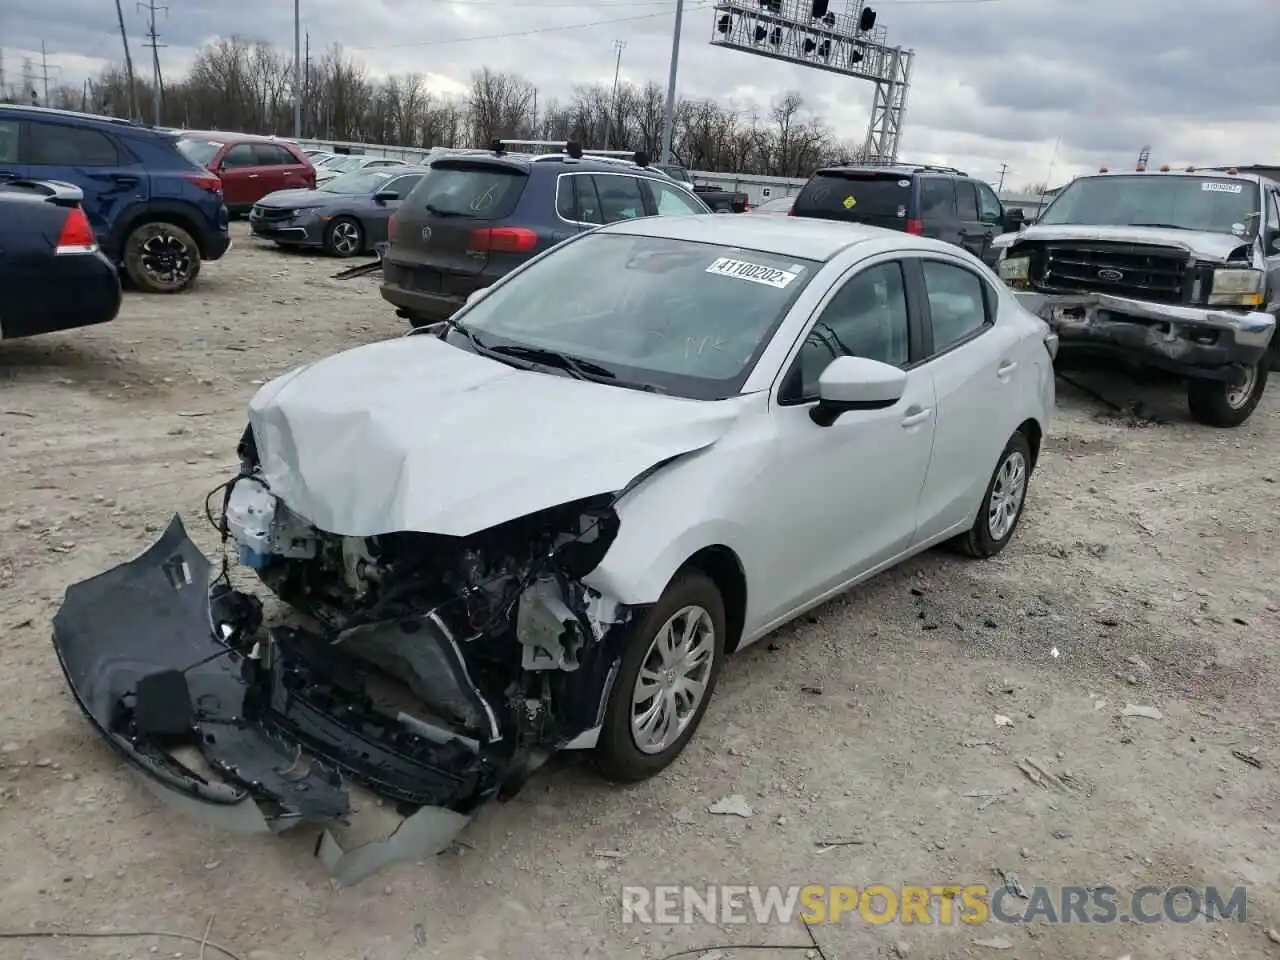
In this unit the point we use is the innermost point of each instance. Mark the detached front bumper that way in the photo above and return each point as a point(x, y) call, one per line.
point(1194, 341)
point(244, 735)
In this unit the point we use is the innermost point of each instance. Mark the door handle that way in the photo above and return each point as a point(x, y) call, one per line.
point(1006, 368)
point(916, 417)
point(253, 176)
point(124, 179)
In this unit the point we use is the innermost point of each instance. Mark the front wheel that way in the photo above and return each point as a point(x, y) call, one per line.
point(344, 238)
point(1002, 506)
point(161, 258)
point(669, 670)
point(1217, 403)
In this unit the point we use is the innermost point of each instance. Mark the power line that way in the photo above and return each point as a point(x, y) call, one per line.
point(45, 67)
point(153, 41)
point(701, 5)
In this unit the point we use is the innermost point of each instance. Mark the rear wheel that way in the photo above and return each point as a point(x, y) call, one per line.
point(1002, 506)
point(1219, 404)
point(344, 238)
point(161, 258)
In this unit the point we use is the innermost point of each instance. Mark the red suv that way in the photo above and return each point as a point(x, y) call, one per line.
point(250, 166)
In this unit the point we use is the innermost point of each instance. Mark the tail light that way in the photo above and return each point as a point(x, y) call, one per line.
point(791, 212)
point(391, 228)
point(205, 181)
point(503, 240)
point(915, 227)
point(77, 235)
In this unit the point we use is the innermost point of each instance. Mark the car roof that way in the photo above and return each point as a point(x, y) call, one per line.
point(808, 239)
point(224, 136)
point(560, 163)
point(902, 169)
point(92, 119)
point(1217, 173)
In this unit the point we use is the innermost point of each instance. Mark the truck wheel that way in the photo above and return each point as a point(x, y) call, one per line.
point(161, 258)
point(1218, 404)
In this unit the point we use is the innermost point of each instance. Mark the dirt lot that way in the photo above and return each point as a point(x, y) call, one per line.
point(1145, 573)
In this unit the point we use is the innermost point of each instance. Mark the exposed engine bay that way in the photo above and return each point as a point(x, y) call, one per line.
point(436, 672)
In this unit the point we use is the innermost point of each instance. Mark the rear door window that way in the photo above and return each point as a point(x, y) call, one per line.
point(864, 197)
point(966, 201)
point(270, 155)
point(8, 141)
point(937, 198)
point(64, 146)
point(620, 197)
point(241, 155)
point(476, 190)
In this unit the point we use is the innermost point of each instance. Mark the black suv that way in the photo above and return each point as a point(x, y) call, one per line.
point(478, 215)
point(939, 202)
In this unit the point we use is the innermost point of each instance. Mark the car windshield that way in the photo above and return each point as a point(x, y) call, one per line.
point(684, 318)
point(1212, 204)
point(199, 152)
point(342, 164)
point(358, 181)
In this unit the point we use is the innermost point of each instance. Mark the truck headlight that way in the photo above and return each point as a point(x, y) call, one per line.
point(1237, 288)
point(1014, 269)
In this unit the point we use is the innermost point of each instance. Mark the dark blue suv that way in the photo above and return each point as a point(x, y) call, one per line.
point(154, 212)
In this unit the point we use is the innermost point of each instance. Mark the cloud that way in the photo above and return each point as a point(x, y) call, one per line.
point(1043, 87)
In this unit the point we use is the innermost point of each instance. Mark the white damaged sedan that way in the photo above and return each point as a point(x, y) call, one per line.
point(544, 524)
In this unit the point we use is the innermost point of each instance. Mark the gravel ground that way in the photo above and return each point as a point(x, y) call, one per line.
point(1143, 574)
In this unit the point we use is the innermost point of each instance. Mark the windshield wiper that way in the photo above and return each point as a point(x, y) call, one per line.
point(466, 334)
point(1166, 226)
point(432, 209)
point(580, 369)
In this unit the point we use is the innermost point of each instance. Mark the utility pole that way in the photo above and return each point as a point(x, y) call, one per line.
point(297, 72)
point(1004, 167)
point(153, 41)
point(44, 71)
point(29, 82)
point(306, 82)
point(618, 46)
point(669, 114)
point(132, 104)
point(4, 91)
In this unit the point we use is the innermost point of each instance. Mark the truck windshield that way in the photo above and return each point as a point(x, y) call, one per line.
point(1211, 204)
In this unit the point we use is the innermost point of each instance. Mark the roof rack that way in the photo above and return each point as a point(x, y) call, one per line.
point(71, 113)
point(572, 149)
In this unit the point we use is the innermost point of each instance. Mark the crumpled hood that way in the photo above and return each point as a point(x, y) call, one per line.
point(413, 434)
point(1205, 246)
point(292, 198)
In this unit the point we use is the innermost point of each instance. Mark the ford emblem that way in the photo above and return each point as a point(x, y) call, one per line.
point(1111, 276)
point(426, 235)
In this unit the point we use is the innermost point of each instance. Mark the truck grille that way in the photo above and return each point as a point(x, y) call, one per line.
point(1155, 274)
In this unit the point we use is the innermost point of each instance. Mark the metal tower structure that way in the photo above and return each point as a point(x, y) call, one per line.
point(1143, 157)
point(809, 33)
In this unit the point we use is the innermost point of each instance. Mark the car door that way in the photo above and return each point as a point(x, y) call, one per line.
point(844, 498)
point(108, 175)
point(938, 209)
point(376, 214)
point(668, 200)
point(10, 167)
point(974, 236)
point(991, 218)
point(239, 170)
point(280, 169)
point(976, 374)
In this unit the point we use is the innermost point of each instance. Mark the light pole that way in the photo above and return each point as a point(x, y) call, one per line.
point(619, 46)
point(297, 73)
point(669, 114)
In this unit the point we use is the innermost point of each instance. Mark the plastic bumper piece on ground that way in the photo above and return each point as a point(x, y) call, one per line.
point(138, 645)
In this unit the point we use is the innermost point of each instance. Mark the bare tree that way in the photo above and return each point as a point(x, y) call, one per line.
point(245, 85)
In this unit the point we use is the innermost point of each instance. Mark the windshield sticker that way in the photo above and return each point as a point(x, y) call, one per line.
point(755, 272)
point(1213, 186)
point(849, 202)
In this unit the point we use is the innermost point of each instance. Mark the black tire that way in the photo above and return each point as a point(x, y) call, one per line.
point(617, 756)
point(418, 320)
point(344, 238)
point(161, 258)
point(1218, 404)
point(981, 541)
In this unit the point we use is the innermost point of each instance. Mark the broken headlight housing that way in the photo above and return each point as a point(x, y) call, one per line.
point(1015, 269)
point(1233, 287)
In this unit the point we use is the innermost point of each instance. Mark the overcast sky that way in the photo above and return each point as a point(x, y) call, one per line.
point(1040, 85)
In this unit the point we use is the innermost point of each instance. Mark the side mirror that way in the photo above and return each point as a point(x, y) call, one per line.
point(856, 383)
point(1273, 241)
point(385, 196)
point(1014, 220)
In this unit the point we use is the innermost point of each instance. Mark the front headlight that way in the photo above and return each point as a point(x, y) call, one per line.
point(301, 212)
point(1237, 288)
point(1014, 269)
